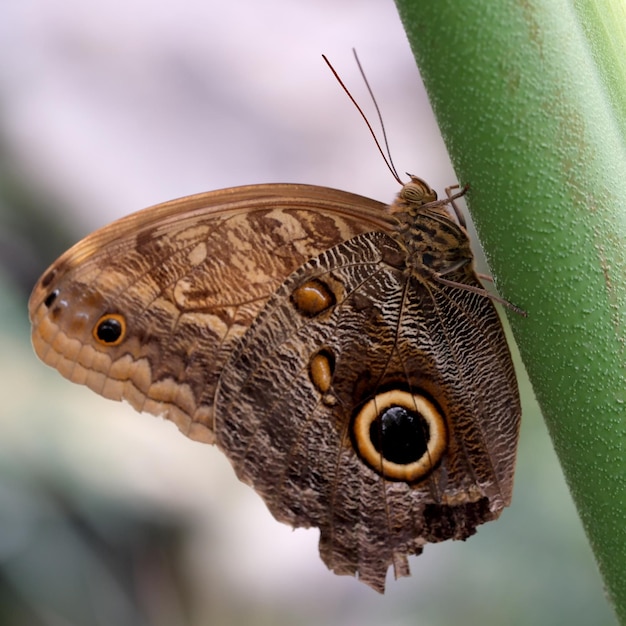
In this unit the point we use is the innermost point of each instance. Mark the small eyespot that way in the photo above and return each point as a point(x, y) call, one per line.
point(50, 298)
point(321, 369)
point(110, 329)
point(313, 297)
point(48, 278)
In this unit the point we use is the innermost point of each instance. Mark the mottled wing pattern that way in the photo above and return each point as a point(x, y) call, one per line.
point(188, 277)
point(342, 354)
point(383, 329)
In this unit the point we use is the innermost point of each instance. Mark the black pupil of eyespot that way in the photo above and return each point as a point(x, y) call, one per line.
point(400, 435)
point(50, 298)
point(109, 330)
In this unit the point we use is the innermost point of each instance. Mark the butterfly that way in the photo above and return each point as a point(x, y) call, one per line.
point(342, 353)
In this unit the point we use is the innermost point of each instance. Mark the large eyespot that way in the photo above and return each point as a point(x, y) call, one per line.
point(110, 329)
point(400, 435)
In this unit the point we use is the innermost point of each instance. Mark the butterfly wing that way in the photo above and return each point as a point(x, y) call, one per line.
point(149, 308)
point(348, 330)
point(295, 327)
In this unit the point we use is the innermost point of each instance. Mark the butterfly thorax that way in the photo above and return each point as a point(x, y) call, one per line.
point(434, 242)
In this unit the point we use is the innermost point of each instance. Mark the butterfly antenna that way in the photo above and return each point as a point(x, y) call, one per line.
point(386, 157)
point(392, 166)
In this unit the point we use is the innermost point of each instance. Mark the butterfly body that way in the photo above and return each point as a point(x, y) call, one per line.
point(341, 353)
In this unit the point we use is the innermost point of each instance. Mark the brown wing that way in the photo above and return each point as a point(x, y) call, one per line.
point(353, 329)
point(149, 308)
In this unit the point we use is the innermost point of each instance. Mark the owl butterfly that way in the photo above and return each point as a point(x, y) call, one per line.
point(341, 353)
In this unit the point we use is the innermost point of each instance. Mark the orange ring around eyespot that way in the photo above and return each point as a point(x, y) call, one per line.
point(437, 441)
point(110, 317)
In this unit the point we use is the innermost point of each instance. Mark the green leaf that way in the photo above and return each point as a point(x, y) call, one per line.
point(531, 102)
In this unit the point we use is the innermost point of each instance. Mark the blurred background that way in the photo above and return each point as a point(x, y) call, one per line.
point(112, 517)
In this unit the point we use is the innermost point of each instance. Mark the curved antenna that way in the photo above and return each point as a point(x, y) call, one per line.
point(378, 113)
point(386, 157)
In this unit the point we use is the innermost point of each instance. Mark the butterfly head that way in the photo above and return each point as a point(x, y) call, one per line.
point(413, 196)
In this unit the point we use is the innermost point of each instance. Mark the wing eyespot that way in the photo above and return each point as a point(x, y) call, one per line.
point(313, 297)
point(110, 330)
point(48, 278)
point(321, 369)
point(50, 298)
point(400, 435)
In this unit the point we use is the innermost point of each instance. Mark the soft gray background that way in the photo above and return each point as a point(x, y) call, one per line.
point(109, 107)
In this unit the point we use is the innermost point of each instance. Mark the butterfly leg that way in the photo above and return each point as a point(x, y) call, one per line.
point(451, 199)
